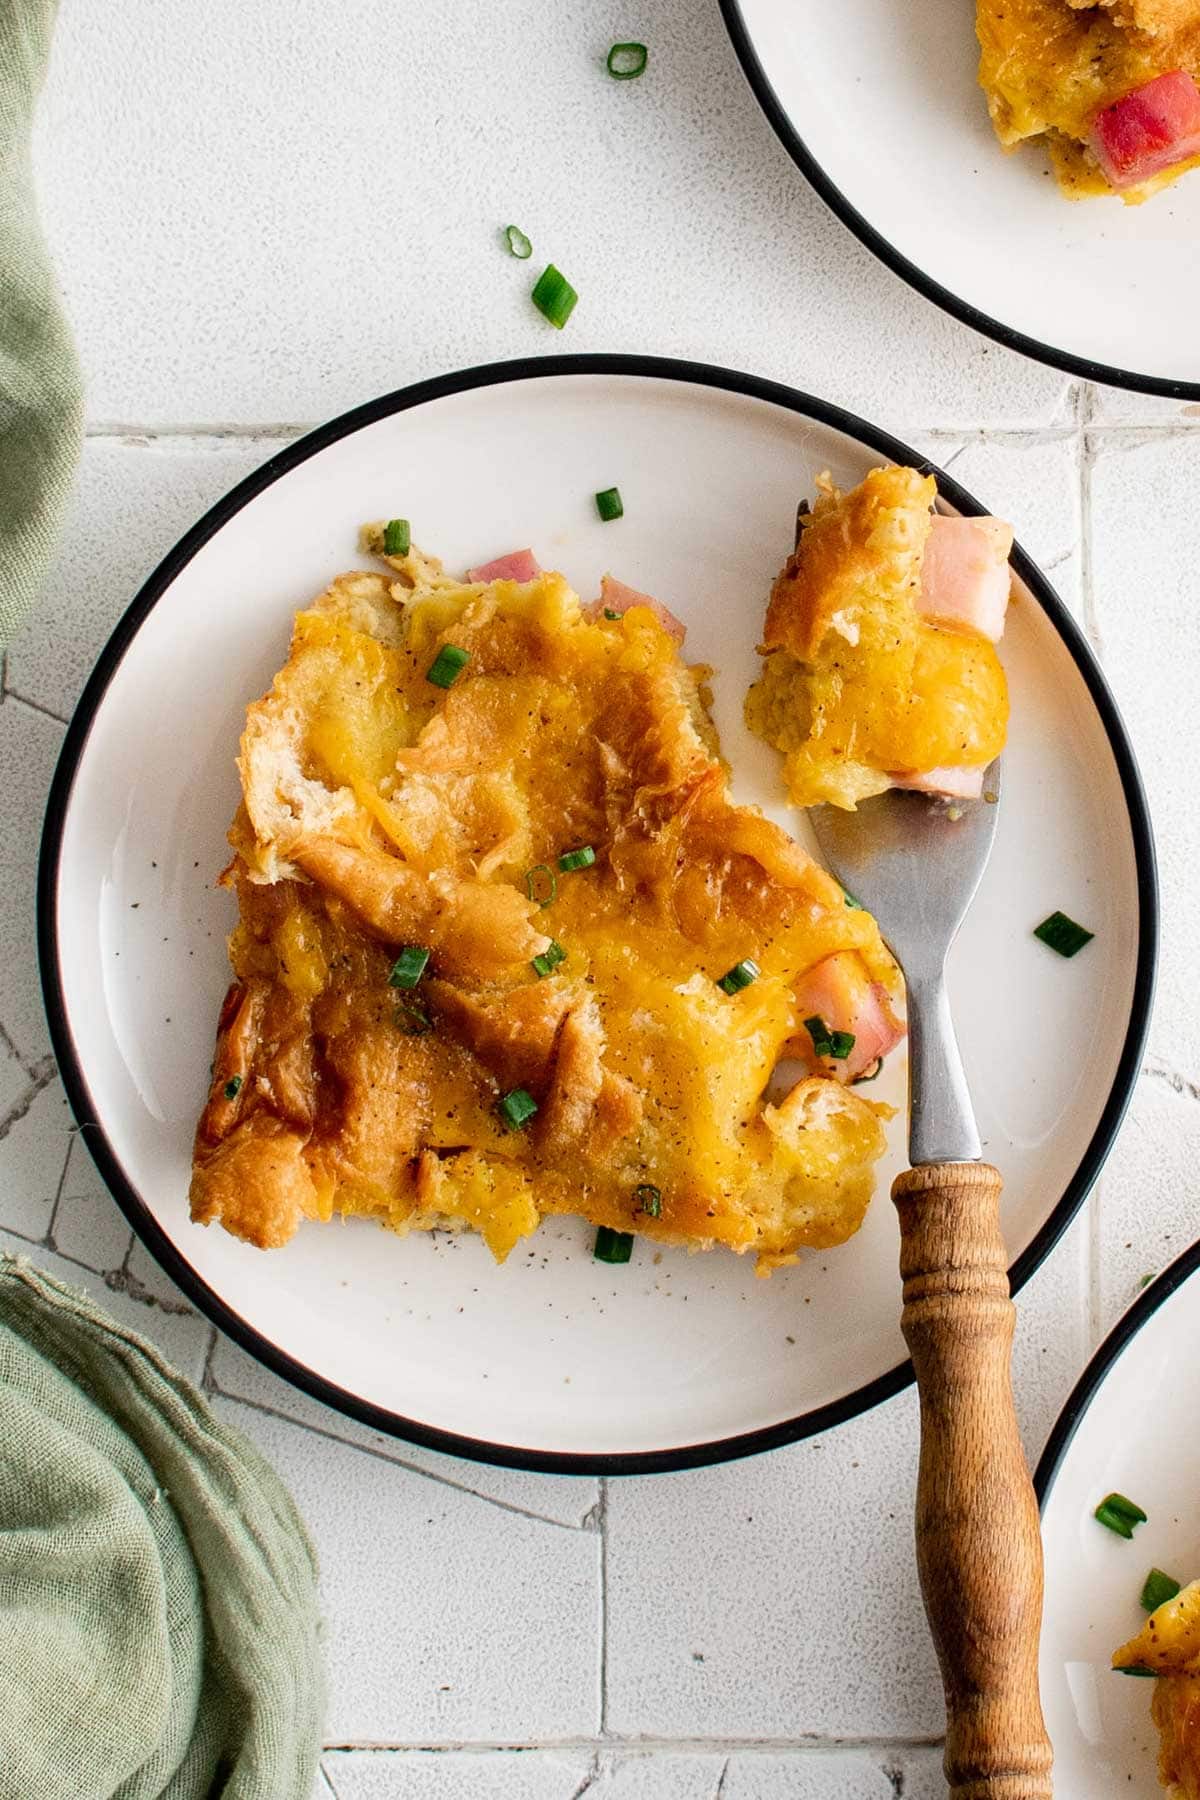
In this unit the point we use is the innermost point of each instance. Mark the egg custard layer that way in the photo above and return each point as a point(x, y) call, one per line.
point(385, 816)
point(1168, 1646)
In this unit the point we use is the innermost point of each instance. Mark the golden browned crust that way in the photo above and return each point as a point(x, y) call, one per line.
point(380, 811)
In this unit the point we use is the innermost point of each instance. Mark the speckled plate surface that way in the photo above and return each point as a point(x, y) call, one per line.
point(880, 106)
point(1129, 1428)
point(554, 1360)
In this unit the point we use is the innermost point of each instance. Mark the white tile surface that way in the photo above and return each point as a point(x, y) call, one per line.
point(29, 745)
point(445, 1616)
point(263, 215)
point(268, 213)
point(134, 498)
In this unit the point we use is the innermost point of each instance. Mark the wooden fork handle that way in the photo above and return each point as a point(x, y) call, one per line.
point(979, 1547)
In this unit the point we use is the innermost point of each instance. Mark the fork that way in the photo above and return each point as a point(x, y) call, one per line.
point(916, 862)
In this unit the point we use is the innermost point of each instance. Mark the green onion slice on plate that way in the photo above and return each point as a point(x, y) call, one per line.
point(408, 967)
point(610, 505)
point(739, 977)
point(1158, 1589)
point(517, 1108)
point(627, 61)
point(548, 961)
point(518, 244)
point(447, 666)
point(1119, 1514)
point(1063, 934)
point(541, 884)
point(397, 537)
point(612, 1246)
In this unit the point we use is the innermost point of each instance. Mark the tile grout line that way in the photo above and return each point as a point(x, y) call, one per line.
point(396, 1462)
point(602, 1521)
point(34, 706)
point(814, 1746)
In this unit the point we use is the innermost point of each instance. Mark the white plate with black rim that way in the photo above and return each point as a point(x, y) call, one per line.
point(880, 107)
point(1128, 1428)
point(554, 1360)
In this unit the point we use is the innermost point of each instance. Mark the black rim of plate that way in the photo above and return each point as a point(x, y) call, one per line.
point(1110, 1352)
point(1082, 366)
point(209, 1302)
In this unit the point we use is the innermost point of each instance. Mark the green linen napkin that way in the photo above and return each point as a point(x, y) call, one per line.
point(158, 1613)
point(41, 396)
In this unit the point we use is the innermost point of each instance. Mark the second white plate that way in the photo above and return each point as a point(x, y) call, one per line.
point(880, 107)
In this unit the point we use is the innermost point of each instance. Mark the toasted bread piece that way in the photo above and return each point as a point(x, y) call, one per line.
point(380, 810)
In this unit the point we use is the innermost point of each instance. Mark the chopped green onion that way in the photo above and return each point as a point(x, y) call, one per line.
point(851, 902)
point(517, 1108)
point(1138, 1669)
point(837, 1044)
point(408, 967)
point(612, 1246)
point(583, 858)
point(610, 505)
point(397, 537)
point(518, 244)
point(233, 1087)
point(627, 61)
point(872, 1073)
point(739, 977)
point(554, 296)
point(610, 614)
point(412, 1020)
point(548, 961)
point(1158, 1589)
point(649, 1200)
point(1119, 1514)
point(1063, 934)
point(531, 884)
point(447, 666)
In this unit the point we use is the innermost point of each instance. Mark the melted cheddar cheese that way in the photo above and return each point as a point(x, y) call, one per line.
point(382, 811)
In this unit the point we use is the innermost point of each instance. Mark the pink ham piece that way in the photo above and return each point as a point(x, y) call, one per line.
point(840, 993)
point(518, 565)
point(964, 575)
point(955, 784)
point(616, 597)
point(1152, 129)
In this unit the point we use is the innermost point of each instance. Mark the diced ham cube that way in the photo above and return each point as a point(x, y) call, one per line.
point(839, 991)
point(955, 784)
point(1152, 129)
point(964, 575)
point(518, 565)
point(616, 597)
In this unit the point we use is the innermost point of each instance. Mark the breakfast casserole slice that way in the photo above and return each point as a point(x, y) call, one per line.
point(506, 947)
point(880, 667)
point(1110, 89)
point(1168, 1647)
